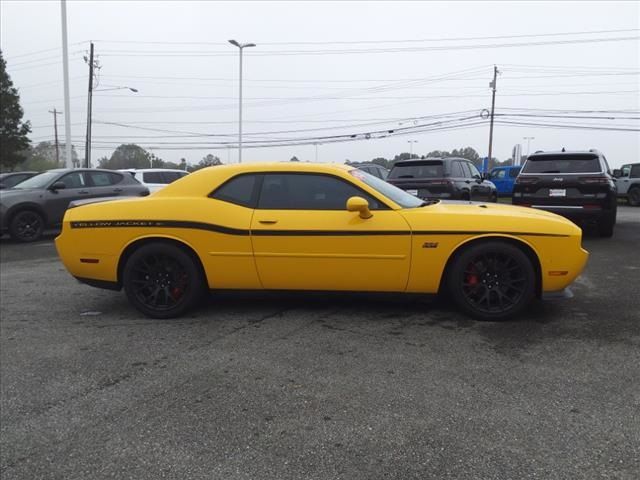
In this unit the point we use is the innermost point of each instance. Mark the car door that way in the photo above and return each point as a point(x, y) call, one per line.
point(304, 238)
point(624, 181)
point(480, 189)
point(460, 177)
point(104, 184)
point(57, 201)
point(499, 178)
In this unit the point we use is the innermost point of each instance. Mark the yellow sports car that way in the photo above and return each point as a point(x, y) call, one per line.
point(293, 226)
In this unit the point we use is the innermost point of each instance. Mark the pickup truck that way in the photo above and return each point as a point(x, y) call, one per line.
point(628, 183)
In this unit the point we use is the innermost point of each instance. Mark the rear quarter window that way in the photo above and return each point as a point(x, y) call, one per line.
point(422, 169)
point(239, 190)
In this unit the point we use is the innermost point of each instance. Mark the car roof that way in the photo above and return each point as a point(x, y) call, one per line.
point(566, 152)
point(439, 159)
point(7, 174)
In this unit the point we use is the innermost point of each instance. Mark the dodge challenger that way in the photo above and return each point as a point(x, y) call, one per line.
point(319, 227)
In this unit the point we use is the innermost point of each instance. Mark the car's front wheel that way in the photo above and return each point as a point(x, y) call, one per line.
point(492, 280)
point(26, 226)
point(162, 281)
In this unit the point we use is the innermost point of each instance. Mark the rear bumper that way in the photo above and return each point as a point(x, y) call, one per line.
point(578, 213)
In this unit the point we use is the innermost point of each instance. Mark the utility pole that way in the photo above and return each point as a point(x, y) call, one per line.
point(55, 129)
point(493, 104)
point(87, 144)
point(411, 142)
point(65, 70)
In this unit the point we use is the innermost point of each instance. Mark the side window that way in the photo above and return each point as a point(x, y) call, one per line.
point(383, 173)
point(239, 190)
point(293, 191)
point(626, 169)
point(170, 177)
point(73, 180)
point(474, 171)
point(153, 177)
point(635, 171)
point(456, 170)
point(513, 173)
point(465, 169)
point(498, 174)
point(104, 179)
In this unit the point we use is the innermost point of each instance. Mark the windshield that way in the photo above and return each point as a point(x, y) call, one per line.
point(399, 196)
point(425, 169)
point(38, 181)
point(564, 163)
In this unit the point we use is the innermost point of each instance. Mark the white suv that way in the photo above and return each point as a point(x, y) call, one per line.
point(155, 178)
point(628, 182)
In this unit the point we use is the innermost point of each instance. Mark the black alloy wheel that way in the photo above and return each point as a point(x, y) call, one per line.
point(26, 226)
point(492, 280)
point(162, 281)
point(634, 196)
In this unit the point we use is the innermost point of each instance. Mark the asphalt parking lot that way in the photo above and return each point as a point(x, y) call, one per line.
point(258, 386)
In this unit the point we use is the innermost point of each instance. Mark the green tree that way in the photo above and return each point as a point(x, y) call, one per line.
point(129, 155)
point(383, 162)
point(208, 160)
point(13, 131)
point(294, 159)
point(43, 157)
point(405, 156)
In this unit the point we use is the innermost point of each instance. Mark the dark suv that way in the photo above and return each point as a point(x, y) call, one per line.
point(372, 168)
point(577, 185)
point(442, 178)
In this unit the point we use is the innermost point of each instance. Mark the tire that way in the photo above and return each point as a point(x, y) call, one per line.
point(466, 197)
point(605, 226)
point(26, 226)
point(493, 198)
point(633, 196)
point(162, 281)
point(492, 280)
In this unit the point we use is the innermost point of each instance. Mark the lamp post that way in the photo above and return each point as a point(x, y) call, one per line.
point(87, 150)
point(528, 139)
point(241, 47)
point(411, 142)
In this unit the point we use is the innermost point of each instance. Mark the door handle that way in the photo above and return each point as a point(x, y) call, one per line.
point(467, 181)
point(117, 190)
point(268, 222)
point(83, 192)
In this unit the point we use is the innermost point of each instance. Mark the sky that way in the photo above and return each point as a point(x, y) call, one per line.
point(343, 80)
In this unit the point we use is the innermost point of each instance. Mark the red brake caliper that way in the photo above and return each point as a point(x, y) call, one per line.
point(472, 278)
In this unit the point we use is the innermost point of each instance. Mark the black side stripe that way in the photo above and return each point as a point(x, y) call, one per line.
point(291, 233)
point(159, 224)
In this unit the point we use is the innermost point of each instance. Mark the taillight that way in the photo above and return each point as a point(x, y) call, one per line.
point(526, 180)
point(593, 180)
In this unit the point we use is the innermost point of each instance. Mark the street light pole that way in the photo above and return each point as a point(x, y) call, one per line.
point(411, 142)
point(241, 47)
point(528, 139)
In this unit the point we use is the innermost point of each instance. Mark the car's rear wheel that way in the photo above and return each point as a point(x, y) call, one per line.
point(492, 280)
point(26, 226)
point(162, 281)
point(493, 198)
point(634, 196)
point(605, 225)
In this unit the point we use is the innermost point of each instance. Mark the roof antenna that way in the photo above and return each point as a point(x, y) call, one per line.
point(563, 149)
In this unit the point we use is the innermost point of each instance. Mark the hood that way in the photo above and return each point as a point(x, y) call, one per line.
point(490, 217)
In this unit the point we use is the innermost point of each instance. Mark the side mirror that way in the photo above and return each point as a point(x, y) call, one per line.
point(359, 204)
point(617, 173)
point(57, 186)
